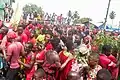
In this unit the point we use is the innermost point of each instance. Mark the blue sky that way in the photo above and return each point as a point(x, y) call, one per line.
point(95, 9)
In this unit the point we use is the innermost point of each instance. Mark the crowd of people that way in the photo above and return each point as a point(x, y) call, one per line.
point(36, 51)
point(52, 18)
point(8, 12)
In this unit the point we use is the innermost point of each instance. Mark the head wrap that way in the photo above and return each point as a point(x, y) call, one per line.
point(83, 49)
point(11, 35)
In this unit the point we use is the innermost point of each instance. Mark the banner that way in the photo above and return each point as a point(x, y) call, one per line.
point(16, 16)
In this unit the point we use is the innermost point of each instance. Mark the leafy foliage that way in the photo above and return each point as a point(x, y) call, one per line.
point(85, 20)
point(109, 40)
point(112, 15)
point(30, 8)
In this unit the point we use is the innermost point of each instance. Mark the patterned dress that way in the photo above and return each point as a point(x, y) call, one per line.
point(93, 72)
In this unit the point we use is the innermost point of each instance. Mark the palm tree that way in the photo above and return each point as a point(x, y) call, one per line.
point(112, 16)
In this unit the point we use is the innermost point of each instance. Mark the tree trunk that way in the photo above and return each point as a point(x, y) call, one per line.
point(112, 22)
point(107, 13)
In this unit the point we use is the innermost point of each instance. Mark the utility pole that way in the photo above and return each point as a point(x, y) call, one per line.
point(107, 13)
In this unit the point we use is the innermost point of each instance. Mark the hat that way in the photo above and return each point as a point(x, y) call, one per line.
point(11, 35)
point(83, 49)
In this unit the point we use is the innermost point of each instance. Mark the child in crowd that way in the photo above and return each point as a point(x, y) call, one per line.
point(103, 74)
point(93, 66)
point(73, 76)
point(39, 75)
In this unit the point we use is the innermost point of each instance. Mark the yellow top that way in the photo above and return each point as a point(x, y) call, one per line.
point(41, 38)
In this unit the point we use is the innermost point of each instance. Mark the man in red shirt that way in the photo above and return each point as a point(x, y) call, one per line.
point(14, 51)
point(23, 36)
point(4, 42)
point(108, 61)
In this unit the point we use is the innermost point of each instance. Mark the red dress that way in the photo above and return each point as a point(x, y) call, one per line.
point(62, 75)
point(29, 72)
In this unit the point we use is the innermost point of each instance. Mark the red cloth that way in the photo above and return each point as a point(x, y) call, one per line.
point(112, 58)
point(49, 46)
point(33, 41)
point(62, 75)
point(1, 36)
point(14, 50)
point(27, 30)
point(24, 38)
point(41, 55)
point(29, 72)
point(40, 26)
point(11, 35)
point(105, 62)
point(114, 71)
point(50, 70)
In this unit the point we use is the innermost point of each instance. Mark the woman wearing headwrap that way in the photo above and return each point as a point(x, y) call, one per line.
point(66, 58)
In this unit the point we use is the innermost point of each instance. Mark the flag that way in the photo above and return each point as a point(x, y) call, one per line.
point(16, 16)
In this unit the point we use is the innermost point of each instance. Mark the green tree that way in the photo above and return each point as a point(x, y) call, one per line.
point(112, 16)
point(30, 8)
point(85, 20)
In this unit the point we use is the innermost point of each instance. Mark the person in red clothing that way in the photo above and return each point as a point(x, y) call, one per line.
point(23, 36)
point(66, 58)
point(39, 75)
point(14, 51)
point(28, 29)
point(107, 61)
point(4, 42)
point(41, 53)
point(32, 38)
point(51, 64)
point(1, 35)
point(29, 61)
point(4, 32)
